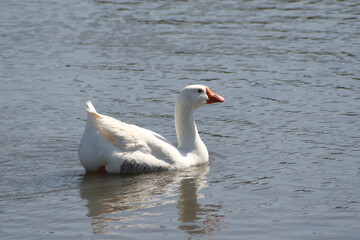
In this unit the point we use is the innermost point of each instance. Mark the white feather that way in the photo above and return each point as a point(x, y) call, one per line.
point(122, 147)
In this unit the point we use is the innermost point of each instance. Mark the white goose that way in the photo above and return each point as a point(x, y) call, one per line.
point(109, 145)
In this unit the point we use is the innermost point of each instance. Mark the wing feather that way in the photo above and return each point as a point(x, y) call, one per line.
point(137, 149)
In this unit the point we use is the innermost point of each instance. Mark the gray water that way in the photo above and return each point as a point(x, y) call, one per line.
point(284, 147)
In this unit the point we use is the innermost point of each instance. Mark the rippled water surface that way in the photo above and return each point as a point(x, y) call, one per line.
point(284, 147)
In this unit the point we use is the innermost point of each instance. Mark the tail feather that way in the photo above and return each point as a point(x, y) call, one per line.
point(89, 107)
point(91, 110)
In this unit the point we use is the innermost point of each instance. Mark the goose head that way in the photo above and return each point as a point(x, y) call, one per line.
point(198, 95)
point(191, 98)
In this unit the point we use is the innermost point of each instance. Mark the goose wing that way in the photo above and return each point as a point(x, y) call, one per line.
point(134, 149)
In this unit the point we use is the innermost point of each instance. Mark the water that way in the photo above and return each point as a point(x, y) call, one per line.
point(284, 148)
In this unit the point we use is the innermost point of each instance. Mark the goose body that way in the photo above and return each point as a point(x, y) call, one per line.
point(110, 145)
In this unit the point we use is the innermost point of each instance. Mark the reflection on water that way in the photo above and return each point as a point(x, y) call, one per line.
point(112, 200)
point(190, 211)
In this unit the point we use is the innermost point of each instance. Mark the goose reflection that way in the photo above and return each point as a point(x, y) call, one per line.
point(110, 196)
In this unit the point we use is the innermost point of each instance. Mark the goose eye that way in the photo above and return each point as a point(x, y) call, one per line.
point(200, 91)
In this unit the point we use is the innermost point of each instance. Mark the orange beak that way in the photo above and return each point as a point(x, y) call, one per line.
point(213, 97)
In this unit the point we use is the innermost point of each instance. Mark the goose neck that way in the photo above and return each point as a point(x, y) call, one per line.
point(186, 129)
